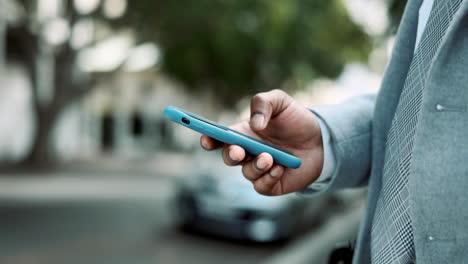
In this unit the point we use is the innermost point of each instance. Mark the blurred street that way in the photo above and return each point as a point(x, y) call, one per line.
point(83, 217)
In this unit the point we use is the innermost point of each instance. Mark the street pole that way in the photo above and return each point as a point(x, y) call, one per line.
point(3, 29)
point(45, 64)
point(45, 58)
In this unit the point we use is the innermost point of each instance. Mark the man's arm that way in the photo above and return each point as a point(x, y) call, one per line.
point(349, 127)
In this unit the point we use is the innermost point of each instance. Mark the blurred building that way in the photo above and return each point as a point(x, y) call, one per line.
point(121, 115)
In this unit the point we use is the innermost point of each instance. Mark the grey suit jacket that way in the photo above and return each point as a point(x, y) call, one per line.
point(439, 174)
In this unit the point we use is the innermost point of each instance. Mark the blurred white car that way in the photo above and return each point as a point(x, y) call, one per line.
point(218, 200)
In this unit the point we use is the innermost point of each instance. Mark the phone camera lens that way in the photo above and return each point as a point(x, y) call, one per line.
point(185, 121)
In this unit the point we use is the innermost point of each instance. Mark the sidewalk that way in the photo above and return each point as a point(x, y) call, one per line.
point(103, 178)
point(163, 164)
point(59, 188)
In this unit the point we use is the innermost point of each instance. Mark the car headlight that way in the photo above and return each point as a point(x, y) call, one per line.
point(262, 230)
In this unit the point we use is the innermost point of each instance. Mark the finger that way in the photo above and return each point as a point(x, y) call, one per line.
point(252, 170)
point(233, 155)
point(266, 105)
point(267, 183)
point(209, 143)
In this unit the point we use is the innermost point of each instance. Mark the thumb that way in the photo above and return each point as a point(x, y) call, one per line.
point(266, 105)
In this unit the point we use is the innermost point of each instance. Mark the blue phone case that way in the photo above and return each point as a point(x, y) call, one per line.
point(230, 136)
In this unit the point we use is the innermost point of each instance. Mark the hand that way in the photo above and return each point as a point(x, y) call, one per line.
point(279, 120)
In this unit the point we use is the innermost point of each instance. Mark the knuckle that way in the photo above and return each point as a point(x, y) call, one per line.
point(279, 92)
point(258, 98)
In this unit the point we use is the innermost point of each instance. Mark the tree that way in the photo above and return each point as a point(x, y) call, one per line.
point(26, 44)
point(242, 47)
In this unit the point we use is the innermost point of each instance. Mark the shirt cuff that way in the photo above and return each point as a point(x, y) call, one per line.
point(329, 162)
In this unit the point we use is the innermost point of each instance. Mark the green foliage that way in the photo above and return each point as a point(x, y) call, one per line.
point(242, 47)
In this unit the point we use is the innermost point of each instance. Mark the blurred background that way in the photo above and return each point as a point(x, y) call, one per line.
point(91, 172)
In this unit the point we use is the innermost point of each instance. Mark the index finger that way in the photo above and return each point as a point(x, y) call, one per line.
point(209, 143)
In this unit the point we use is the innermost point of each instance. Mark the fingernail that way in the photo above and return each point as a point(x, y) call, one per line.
point(261, 164)
point(257, 120)
point(233, 156)
point(276, 171)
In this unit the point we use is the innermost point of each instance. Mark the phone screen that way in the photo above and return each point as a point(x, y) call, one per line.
point(234, 131)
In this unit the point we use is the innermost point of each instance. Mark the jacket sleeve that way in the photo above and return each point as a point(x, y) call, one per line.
point(350, 127)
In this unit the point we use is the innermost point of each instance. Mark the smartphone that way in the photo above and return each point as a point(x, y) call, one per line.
point(224, 134)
